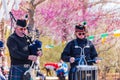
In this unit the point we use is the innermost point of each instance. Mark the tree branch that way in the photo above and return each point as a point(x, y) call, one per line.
point(39, 2)
point(103, 2)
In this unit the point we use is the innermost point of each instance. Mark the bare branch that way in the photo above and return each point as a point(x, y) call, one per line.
point(32, 1)
point(23, 8)
point(104, 2)
point(39, 2)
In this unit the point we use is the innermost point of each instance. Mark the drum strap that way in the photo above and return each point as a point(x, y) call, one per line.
point(75, 41)
point(82, 59)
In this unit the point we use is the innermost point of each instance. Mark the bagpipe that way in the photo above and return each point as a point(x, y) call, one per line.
point(34, 45)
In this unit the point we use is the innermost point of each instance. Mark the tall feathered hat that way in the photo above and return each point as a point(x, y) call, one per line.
point(80, 27)
point(21, 23)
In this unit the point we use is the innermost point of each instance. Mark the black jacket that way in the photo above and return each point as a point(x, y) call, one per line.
point(71, 51)
point(18, 48)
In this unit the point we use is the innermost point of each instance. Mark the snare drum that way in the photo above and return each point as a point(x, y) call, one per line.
point(85, 72)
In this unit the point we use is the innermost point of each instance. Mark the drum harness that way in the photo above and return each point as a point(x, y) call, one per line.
point(82, 60)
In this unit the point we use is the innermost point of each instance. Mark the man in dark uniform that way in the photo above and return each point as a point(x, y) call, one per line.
point(20, 55)
point(72, 51)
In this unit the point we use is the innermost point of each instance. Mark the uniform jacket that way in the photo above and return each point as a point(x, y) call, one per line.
point(18, 48)
point(72, 51)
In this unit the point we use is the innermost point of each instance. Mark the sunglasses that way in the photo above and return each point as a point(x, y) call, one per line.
point(22, 29)
point(81, 34)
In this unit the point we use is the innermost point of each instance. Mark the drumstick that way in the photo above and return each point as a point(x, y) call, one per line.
point(94, 60)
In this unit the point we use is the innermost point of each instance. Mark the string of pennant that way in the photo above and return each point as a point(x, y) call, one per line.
point(103, 36)
point(116, 33)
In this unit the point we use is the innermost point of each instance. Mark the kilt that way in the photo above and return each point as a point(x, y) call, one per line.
point(16, 72)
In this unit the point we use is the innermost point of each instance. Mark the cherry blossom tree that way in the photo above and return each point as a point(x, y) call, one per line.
point(59, 17)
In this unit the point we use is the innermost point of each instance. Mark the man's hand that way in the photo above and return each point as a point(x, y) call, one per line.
point(97, 61)
point(32, 57)
point(72, 59)
point(39, 53)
